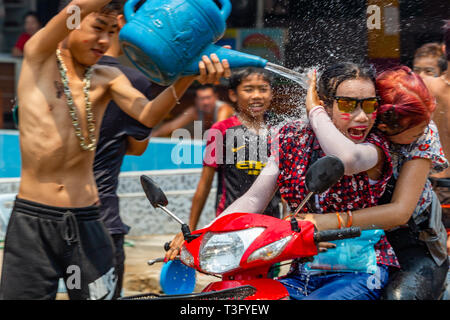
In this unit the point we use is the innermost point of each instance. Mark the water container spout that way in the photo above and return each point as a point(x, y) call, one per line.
point(235, 58)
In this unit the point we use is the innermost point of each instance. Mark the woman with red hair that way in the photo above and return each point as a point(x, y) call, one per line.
point(406, 104)
point(409, 211)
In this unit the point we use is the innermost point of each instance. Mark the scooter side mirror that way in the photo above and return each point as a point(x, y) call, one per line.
point(158, 200)
point(154, 194)
point(324, 173)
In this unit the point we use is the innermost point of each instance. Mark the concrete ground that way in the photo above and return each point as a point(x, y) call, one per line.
point(139, 276)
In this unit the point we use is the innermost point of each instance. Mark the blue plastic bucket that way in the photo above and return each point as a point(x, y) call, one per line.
point(177, 278)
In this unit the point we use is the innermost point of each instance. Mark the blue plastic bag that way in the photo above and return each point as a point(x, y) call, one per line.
point(350, 255)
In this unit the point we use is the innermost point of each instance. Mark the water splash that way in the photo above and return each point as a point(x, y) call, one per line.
point(293, 95)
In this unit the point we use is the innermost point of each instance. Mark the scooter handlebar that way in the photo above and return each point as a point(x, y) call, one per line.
point(339, 234)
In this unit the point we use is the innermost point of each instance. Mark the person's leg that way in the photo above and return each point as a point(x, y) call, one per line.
point(92, 256)
point(443, 193)
point(119, 262)
point(351, 286)
point(300, 285)
point(419, 278)
point(31, 268)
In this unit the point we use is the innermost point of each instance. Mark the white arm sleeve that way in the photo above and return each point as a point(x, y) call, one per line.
point(256, 199)
point(357, 157)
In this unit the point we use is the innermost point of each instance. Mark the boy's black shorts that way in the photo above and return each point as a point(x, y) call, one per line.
point(46, 243)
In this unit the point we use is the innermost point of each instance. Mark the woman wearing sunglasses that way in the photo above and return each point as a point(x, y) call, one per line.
point(410, 211)
point(367, 172)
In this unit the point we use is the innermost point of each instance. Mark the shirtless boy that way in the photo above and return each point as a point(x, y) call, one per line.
point(54, 230)
point(440, 88)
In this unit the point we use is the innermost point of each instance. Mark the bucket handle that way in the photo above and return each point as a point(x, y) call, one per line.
point(128, 9)
point(226, 8)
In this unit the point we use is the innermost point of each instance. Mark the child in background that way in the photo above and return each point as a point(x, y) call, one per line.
point(230, 148)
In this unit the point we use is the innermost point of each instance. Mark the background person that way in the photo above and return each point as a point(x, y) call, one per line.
point(440, 89)
point(429, 60)
point(32, 24)
point(207, 108)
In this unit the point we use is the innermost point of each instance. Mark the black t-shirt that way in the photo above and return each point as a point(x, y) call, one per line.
point(243, 155)
point(116, 127)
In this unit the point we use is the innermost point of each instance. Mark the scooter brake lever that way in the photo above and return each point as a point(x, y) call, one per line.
point(152, 262)
point(294, 225)
point(188, 236)
point(191, 237)
point(167, 246)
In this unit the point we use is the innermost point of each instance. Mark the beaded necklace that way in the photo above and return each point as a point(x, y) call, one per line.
point(72, 109)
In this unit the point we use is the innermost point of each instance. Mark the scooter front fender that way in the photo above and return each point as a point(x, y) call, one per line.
point(266, 289)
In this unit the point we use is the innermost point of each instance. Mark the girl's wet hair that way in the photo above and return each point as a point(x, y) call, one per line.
point(405, 99)
point(337, 73)
point(238, 75)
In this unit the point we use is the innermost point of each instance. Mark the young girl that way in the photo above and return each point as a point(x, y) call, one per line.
point(237, 148)
point(362, 186)
point(420, 242)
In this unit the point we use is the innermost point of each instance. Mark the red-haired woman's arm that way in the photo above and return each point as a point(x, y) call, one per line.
point(408, 190)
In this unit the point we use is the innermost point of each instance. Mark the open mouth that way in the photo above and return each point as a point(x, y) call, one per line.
point(98, 53)
point(357, 133)
point(256, 107)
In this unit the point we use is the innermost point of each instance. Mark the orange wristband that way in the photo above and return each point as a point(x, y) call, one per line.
point(349, 219)
point(339, 220)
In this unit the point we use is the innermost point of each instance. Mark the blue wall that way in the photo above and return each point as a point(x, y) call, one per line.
point(161, 154)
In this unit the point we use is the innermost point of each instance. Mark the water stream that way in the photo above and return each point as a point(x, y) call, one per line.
point(300, 78)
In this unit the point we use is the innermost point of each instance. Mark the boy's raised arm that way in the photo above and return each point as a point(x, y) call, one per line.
point(150, 113)
point(45, 42)
point(136, 105)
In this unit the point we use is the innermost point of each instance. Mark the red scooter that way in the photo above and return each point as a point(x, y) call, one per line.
point(241, 247)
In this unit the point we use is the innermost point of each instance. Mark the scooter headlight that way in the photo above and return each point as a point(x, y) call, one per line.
point(186, 257)
point(270, 251)
point(222, 252)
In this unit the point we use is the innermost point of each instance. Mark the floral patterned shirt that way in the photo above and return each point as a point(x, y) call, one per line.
point(296, 143)
point(428, 146)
